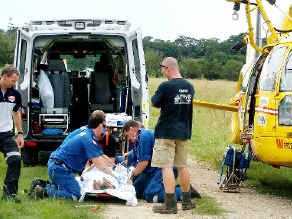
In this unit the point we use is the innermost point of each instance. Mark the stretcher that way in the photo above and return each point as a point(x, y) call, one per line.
point(95, 182)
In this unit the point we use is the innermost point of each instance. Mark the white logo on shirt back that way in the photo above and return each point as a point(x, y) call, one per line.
point(183, 99)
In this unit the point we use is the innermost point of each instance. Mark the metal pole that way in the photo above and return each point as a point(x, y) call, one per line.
point(258, 32)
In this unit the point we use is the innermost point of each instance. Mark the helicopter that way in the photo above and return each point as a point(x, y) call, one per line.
point(262, 106)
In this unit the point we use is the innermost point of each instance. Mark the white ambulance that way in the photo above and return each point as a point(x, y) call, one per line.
point(69, 68)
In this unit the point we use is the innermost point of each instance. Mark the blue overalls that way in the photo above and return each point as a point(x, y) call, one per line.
point(70, 158)
point(142, 151)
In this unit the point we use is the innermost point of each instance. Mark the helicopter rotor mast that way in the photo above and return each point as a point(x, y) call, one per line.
point(252, 40)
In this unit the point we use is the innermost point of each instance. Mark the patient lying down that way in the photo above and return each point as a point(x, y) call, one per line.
point(117, 184)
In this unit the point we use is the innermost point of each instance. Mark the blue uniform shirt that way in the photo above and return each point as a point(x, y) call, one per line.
point(143, 148)
point(78, 149)
point(75, 132)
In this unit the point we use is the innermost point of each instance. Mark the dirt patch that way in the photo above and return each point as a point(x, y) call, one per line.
point(246, 204)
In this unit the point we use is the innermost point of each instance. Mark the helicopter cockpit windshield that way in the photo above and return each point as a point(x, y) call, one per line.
point(286, 81)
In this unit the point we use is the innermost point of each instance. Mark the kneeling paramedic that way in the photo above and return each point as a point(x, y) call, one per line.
point(147, 180)
point(107, 142)
point(72, 156)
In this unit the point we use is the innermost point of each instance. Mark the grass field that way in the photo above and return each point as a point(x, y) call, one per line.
point(210, 136)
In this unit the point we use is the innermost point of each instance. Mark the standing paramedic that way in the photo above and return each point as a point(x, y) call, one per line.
point(10, 110)
point(174, 127)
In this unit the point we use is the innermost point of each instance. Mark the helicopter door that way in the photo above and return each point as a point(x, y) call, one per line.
point(265, 109)
point(248, 103)
point(284, 101)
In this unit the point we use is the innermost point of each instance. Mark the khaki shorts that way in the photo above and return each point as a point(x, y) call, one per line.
point(169, 153)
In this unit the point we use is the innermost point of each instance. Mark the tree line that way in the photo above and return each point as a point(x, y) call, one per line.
point(198, 58)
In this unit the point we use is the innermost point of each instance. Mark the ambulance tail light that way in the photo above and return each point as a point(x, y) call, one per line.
point(30, 144)
point(285, 111)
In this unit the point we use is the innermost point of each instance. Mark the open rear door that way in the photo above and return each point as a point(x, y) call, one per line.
point(22, 63)
point(139, 79)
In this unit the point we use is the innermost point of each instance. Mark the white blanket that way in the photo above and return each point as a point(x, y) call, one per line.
point(122, 185)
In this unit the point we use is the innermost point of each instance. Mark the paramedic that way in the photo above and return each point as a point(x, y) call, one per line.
point(107, 141)
point(141, 143)
point(72, 156)
point(10, 110)
point(174, 127)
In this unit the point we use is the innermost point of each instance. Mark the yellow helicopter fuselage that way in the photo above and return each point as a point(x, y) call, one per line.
point(265, 111)
point(262, 107)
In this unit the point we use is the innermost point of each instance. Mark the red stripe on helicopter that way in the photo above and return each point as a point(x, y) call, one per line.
point(266, 110)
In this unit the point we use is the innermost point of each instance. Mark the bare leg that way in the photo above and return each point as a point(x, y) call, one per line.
point(184, 177)
point(168, 179)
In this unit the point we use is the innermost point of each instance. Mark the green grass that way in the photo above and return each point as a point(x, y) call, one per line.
point(268, 180)
point(42, 209)
point(208, 206)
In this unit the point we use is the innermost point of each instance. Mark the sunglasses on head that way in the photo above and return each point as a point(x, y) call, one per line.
point(163, 66)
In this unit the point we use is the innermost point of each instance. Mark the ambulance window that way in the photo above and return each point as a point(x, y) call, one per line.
point(286, 81)
point(22, 60)
point(136, 59)
point(270, 69)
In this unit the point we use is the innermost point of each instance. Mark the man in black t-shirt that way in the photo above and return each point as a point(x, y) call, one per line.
point(10, 111)
point(174, 127)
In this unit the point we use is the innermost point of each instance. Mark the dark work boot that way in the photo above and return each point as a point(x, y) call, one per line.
point(169, 206)
point(39, 192)
point(38, 189)
point(187, 203)
point(9, 197)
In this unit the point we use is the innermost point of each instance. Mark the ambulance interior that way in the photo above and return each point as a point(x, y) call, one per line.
point(74, 75)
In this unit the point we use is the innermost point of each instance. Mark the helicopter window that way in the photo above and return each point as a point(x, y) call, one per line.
point(246, 71)
point(270, 68)
point(286, 82)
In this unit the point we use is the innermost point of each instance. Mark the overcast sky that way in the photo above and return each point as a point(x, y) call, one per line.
point(163, 19)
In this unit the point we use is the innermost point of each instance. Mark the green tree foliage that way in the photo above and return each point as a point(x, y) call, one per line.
point(7, 44)
point(153, 59)
point(199, 58)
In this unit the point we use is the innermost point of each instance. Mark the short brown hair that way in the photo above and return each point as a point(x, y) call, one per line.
point(9, 70)
point(129, 124)
point(97, 117)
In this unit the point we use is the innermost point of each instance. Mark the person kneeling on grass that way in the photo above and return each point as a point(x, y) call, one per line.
point(71, 158)
point(147, 180)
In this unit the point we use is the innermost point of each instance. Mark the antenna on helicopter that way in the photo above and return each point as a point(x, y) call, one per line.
point(236, 8)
